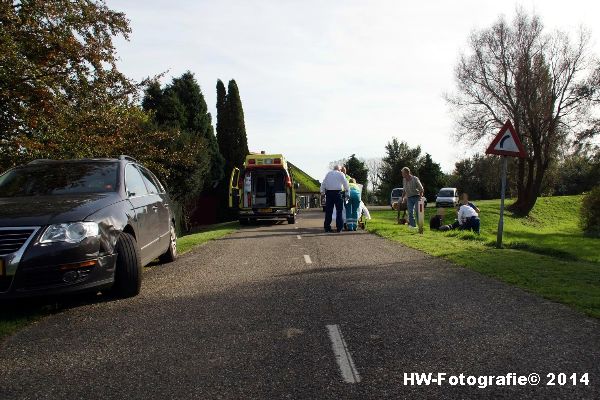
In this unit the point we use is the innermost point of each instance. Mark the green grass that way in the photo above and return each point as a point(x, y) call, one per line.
point(211, 232)
point(11, 319)
point(15, 316)
point(307, 182)
point(545, 253)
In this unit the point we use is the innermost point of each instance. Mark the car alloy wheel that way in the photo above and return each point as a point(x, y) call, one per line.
point(171, 254)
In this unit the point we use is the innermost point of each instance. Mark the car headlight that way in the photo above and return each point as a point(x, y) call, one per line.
point(74, 232)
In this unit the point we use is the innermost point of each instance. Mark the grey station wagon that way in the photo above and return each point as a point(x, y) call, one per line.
point(76, 225)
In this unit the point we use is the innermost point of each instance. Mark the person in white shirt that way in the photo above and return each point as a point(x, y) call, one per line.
point(364, 211)
point(332, 186)
point(468, 218)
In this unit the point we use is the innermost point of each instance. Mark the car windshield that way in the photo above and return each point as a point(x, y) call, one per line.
point(396, 192)
point(59, 178)
point(446, 193)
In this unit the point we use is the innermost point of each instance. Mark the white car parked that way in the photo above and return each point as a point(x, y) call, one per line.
point(447, 197)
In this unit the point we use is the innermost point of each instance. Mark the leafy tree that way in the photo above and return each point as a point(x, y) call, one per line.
point(398, 155)
point(191, 161)
point(181, 106)
point(577, 173)
point(61, 94)
point(547, 84)
point(431, 175)
point(357, 169)
point(480, 177)
point(153, 96)
point(196, 119)
point(590, 212)
point(177, 157)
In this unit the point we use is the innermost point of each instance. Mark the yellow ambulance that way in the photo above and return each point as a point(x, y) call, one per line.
point(263, 189)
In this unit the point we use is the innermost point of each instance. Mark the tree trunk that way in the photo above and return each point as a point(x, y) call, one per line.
point(527, 197)
point(521, 186)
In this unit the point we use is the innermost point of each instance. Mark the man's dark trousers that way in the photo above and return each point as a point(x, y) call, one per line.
point(472, 223)
point(334, 198)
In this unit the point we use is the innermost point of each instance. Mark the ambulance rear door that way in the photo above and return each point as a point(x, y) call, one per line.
point(234, 188)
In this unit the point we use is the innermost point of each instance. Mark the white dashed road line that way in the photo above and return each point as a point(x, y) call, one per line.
point(342, 355)
point(307, 259)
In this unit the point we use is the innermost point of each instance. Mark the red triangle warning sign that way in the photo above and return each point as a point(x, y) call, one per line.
point(507, 143)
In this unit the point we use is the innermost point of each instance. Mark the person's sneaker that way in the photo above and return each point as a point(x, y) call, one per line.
point(411, 228)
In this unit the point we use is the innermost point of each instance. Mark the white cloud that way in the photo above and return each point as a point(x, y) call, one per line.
point(322, 80)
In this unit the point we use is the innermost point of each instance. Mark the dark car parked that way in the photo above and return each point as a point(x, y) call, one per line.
point(77, 225)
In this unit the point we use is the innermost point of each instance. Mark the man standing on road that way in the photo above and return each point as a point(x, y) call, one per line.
point(413, 191)
point(332, 186)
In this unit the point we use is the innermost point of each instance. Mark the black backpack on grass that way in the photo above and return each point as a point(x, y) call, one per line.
point(435, 222)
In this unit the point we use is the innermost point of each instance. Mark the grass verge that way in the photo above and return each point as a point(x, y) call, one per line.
point(16, 315)
point(547, 253)
point(205, 234)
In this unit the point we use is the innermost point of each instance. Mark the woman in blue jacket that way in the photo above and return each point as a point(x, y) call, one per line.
point(353, 205)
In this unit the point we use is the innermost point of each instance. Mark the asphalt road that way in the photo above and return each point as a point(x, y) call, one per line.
point(286, 311)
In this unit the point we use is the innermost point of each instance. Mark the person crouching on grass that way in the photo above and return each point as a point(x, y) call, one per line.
point(468, 218)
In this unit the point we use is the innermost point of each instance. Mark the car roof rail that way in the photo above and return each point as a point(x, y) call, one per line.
point(128, 158)
point(39, 160)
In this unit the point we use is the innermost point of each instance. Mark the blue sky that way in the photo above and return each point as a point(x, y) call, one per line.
point(321, 80)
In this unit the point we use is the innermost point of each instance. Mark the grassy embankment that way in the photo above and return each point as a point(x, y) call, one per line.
point(545, 253)
point(205, 234)
point(15, 315)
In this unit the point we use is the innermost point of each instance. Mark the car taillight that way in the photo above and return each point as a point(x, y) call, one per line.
point(277, 161)
point(288, 181)
point(252, 161)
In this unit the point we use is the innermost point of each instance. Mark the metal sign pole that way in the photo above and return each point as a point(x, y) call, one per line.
point(501, 222)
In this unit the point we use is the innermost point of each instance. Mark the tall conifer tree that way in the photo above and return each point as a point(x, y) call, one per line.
point(231, 128)
point(223, 135)
point(236, 124)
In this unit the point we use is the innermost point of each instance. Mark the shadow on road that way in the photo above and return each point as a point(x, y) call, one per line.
point(267, 338)
point(16, 313)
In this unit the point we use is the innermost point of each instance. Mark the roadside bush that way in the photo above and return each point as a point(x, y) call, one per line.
point(590, 212)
